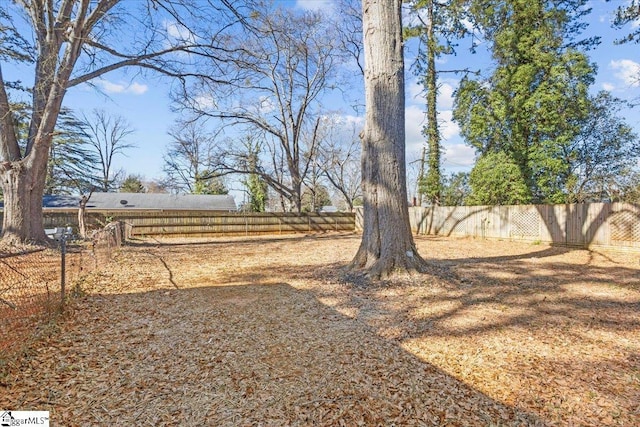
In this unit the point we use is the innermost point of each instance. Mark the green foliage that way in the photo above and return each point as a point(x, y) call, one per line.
point(533, 105)
point(455, 189)
point(255, 184)
point(132, 184)
point(628, 13)
point(208, 183)
point(496, 179)
point(430, 186)
point(257, 189)
point(73, 165)
point(313, 199)
point(13, 46)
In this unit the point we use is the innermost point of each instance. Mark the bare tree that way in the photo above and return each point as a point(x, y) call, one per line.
point(339, 159)
point(387, 244)
point(273, 90)
point(190, 161)
point(350, 30)
point(108, 137)
point(75, 41)
point(155, 186)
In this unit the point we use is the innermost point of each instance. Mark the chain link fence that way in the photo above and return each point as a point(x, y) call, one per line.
point(32, 286)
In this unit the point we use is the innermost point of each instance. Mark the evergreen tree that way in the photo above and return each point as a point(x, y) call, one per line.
point(313, 199)
point(533, 104)
point(132, 184)
point(209, 183)
point(73, 165)
point(257, 189)
point(497, 180)
point(256, 186)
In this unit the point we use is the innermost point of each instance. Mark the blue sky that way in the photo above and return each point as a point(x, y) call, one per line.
point(144, 101)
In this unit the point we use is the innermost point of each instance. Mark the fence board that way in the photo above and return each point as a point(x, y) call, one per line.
point(582, 225)
point(205, 223)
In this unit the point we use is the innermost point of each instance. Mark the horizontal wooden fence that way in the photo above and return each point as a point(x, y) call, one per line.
point(205, 223)
point(581, 225)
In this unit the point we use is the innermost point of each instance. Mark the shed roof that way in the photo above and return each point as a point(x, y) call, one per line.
point(157, 201)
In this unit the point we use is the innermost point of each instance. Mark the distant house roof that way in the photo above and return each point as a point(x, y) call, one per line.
point(156, 201)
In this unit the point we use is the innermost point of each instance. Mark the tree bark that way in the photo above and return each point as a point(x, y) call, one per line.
point(82, 223)
point(22, 220)
point(387, 245)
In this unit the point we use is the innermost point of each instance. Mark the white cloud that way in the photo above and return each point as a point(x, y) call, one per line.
point(137, 88)
point(353, 120)
point(266, 105)
point(414, 119)
point(325, 5)
point(626, 70)
point(448, 128)
point(445, 96)
point(468, 25)
point(417, 94)
point(124, 88)
point(458, 154)
point(608, 87)
point(110, 87)
point(179, 33)
point(416, 91)
point(204, 102)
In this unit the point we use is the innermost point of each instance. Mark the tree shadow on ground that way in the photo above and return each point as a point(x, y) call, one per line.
point(564, 329)
point(239, 355)
point(532, 333)
point(576, 324)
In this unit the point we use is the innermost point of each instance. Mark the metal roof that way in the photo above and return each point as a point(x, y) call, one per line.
point(156, 201)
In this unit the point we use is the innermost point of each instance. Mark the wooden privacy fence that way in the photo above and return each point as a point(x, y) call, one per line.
point(581, 225)
point(141, 223)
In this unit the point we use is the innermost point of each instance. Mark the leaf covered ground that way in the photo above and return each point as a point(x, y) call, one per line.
point(265, 331)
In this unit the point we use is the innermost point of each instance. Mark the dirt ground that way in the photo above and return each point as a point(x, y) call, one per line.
point(264, 331)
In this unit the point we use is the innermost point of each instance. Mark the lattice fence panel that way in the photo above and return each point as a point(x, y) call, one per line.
point(625, 227)
point(455, 222)
point(525, 223)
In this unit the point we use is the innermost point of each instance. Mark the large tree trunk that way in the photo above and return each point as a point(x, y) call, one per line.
point(387, 245)
point(22, 190)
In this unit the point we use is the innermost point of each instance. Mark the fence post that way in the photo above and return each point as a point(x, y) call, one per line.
point(63, 251)
point(62, 234)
